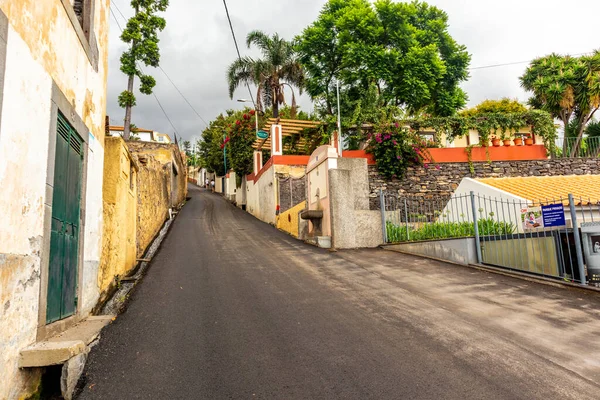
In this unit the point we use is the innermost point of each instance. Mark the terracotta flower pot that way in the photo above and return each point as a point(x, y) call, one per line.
point(528, 142)
point(518, 142)
point(496, 142)
point(506, 142)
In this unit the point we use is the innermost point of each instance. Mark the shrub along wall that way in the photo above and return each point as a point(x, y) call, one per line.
point(432, 182)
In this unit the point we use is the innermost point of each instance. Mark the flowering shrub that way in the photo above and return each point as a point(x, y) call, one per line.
point(396, 148)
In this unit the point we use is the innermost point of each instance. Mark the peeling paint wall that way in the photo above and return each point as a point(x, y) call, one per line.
point(162, 184)
point(262, 196)
point(120, 206)
point(43, 49)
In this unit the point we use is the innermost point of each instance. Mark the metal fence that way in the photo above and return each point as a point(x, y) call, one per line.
point(534, 237)
point(568, 147)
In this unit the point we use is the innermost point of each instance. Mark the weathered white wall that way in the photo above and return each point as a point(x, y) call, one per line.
point(93, 226)
point(505, 206)
point(260, 196)
point(23, 158)
point(42, 47)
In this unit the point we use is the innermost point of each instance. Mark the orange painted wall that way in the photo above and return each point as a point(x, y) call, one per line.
point(502, 153)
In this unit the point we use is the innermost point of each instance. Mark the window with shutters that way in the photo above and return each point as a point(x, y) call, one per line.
point(84, 12)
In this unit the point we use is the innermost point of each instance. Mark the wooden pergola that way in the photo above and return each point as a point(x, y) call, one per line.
point(289, 127)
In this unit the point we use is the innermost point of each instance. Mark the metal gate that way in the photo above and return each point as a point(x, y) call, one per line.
point(538, 237)
point(64, 235)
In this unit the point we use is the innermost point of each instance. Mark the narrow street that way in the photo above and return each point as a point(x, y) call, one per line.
point(231, 308)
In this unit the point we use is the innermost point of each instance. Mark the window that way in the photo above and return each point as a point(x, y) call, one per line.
point(81, 15)
point(84, 11)
point(161, 139)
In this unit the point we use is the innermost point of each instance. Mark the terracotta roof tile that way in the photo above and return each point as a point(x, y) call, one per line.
point(585, 188)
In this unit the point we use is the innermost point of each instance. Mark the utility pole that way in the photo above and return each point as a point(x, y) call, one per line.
point(339, 119)
point(225, 153)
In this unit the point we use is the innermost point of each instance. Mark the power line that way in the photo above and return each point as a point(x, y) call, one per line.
point(184, 98)
point(520, 62)
point(115, 17)
point(163, 110)
point(237, 48)
point(169, 78)
point(139, 66)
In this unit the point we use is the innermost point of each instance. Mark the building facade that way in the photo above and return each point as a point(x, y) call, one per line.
point(53, 72)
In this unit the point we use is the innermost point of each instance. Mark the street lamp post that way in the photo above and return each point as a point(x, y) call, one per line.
point(225, 152)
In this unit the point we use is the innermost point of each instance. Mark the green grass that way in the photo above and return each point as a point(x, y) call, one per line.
point(445, 230)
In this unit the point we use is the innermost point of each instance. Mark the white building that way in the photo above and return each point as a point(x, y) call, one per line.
point(53, 71)
point(144, 135)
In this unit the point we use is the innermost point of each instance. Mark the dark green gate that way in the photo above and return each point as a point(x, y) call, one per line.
point(64, 237)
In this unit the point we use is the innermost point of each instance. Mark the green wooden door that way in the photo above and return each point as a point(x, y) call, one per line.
point(64, 235)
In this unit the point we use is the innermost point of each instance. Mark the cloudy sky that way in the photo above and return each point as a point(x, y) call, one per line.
point(196, 48)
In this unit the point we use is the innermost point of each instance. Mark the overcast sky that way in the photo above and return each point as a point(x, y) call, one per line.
point(196, 48)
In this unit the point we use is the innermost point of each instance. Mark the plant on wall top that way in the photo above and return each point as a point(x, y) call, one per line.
point(395, 148)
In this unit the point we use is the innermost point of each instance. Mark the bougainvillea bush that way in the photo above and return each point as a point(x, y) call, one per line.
point(395, 148)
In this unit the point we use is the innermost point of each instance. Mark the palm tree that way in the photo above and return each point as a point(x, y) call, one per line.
point(278, 68)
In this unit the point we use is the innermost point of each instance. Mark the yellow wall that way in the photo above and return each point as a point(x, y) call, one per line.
point(153, 200)
point(120, 206)
point(158, 187)
point(288, 220)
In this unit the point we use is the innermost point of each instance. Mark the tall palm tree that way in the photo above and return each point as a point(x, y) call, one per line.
point(277, 68)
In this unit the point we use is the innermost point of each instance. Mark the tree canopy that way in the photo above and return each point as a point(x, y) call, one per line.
point(403, 51)
point(566, 87)
point(504, 105)
point(277, 68)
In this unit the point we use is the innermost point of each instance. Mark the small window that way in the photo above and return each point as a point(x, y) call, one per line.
point(84, 10)
point(161, 139)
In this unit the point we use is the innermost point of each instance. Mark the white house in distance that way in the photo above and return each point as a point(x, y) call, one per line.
point(504, 199)
point(144, 135)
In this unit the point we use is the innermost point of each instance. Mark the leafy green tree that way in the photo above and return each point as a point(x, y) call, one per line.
point(187, 147)
point(278, 68)
point(141, 33)
point(211, 152)
point(403, 50)
point(568, 88)
point(503, 106)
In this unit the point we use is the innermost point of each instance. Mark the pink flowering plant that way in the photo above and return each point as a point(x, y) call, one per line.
point(395, 148)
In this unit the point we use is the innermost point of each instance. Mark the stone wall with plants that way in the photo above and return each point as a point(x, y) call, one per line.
point(441, 180)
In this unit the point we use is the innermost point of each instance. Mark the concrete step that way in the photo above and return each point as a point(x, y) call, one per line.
point(60, 348)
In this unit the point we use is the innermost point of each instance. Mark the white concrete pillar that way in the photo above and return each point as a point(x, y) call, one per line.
point(336, 142)
point(276, 140)
point(258, 161)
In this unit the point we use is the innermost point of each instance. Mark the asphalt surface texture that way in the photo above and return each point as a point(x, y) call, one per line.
point(231, 308)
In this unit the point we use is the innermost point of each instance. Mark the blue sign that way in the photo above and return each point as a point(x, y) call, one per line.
point(553, 215)
point(262, 135)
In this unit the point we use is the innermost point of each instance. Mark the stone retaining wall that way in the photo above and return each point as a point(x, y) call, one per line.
point(432, 182)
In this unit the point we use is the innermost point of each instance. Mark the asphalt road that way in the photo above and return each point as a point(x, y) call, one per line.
point(233, 309)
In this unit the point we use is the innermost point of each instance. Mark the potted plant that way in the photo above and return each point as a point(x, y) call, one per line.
point(495, 141)
point(518, 140)
point(528, 140)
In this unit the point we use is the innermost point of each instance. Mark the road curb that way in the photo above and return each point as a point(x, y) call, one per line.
point(507, 272)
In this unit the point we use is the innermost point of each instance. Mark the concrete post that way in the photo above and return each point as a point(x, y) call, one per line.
point(258, 161)
point(577, 238)
point(276, 140)
point(382, 207)
point(335, 142)
point(476, 228)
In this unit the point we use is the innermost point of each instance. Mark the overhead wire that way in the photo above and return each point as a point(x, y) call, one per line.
point(164, 72)
point(519, 62)
point(237, 49)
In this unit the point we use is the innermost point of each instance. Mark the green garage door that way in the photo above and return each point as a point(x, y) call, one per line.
point(64, 236)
